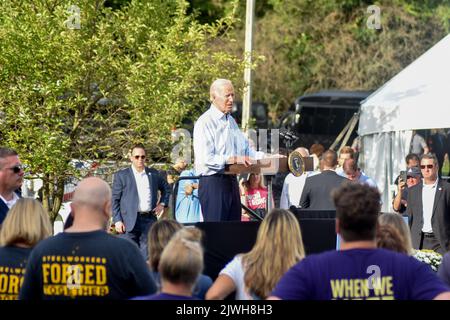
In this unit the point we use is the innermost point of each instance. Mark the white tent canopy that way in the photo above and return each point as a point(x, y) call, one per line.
point(418, 97)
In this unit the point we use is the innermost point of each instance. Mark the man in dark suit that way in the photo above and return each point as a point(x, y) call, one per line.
point(316, 194)
point(11, 178)
point(135, 199)
point(429, 208)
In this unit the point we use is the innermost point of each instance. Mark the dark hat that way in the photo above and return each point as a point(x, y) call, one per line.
point(413, 172)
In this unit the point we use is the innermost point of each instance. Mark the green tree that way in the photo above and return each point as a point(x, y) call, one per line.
point(326, 44)
point(88, 86)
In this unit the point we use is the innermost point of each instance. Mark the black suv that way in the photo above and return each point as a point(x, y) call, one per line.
point(320, 117)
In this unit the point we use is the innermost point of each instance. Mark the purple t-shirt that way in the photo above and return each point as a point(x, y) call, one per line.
point(444, 269)
point(359, 274)
point(164, 296)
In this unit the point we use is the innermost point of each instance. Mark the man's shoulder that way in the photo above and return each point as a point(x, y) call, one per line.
point(376, 254)
point(46, 245)
point(154, 171)
point(326, 175)
point(368, 180)
point(123, 171)
point(99, 239)
point(206, 116)
point(416, 188)
point(444, 183)
point(315, 177)
point(316, 260)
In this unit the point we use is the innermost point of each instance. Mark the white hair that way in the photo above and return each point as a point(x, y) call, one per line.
point(216, 86)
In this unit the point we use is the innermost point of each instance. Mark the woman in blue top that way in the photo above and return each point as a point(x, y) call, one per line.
point(187, 208)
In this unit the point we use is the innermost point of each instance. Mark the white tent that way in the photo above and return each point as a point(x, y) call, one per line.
point(418, 97)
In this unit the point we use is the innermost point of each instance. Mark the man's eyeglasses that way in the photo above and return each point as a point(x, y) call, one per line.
point(16, 169)
point(137, 157)
point(429, 166)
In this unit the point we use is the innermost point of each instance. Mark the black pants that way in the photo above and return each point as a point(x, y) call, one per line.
point(140, 232)
point(430, 242)
point(219, 198)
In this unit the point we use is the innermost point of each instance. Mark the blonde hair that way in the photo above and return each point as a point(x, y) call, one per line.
point(27, 222)
point(182, 259)
point(278, 247)
point(159, 236)
point(388, 237)
point(396, 221)
point(246, 184)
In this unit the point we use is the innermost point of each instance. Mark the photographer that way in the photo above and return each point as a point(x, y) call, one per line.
point(412, 177)
point(412, 160)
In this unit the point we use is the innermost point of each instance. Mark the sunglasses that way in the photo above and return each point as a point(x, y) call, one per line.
point(16, 169)
point(429, 166)
point(137, 157)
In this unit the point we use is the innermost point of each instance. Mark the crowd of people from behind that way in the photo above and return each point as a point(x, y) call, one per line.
point(151, 257)
point(86, 262)
point(253, 275)
point(359, 269)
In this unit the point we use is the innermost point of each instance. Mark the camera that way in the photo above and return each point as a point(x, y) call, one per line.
point(403, 176)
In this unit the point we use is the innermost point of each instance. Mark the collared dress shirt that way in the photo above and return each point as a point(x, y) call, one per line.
point(143, 188)
point(11, 202)
point(428, 194)
point(217, 137)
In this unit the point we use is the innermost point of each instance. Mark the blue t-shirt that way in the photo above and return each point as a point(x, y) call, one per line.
point(164, 296)
point(12, 268)
point(359, 274)
point(86, 265)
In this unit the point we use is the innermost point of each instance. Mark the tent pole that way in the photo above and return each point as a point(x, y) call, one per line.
point(352, 126)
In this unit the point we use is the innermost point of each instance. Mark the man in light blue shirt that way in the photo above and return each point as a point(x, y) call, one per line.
point(352, 172)
point(218, 141)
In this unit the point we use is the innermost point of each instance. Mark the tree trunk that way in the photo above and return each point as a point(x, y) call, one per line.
point(57, 198)
point(45, 193)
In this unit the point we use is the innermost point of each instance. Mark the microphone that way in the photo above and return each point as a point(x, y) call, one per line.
point(288, 135)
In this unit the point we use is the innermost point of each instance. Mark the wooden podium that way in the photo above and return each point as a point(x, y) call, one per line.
point(268, 167)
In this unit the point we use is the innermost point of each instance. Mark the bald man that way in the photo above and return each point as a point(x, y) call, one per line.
point(293, 186)
point(218, 141)
point(85, 262)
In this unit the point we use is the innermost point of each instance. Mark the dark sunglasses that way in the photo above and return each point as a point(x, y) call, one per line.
point(16, 169)
point(429, 166)
point(137, 157)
